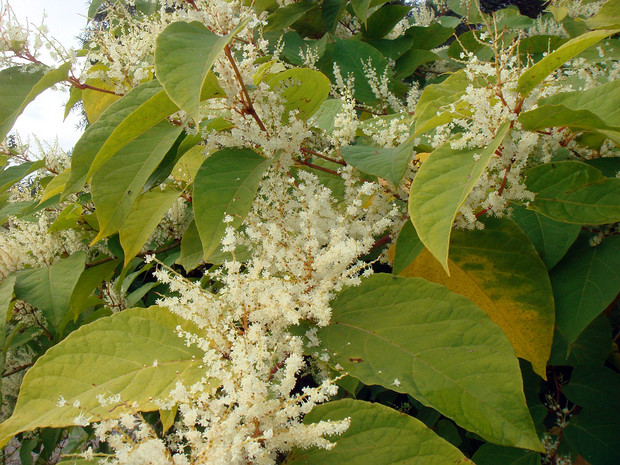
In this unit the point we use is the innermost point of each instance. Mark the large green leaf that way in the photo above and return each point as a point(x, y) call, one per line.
point(136, 353)
point(441, 186)
point(96, 134)
point(378, 435)
point(302, 89)
point(387, 163)
point(20, 85)
point(499, 270)
point(225, 184)
point(419, 338)
point(551, 238)
point(143, 218)
point(117, 184)
point(491, 454)
point(584, 283)
point(573, 192)
point(184, 54)
point(537, 73)
point(50, 288)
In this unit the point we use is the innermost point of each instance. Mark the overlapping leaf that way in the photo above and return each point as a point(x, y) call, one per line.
point(440, 187)
point(499, 270)
point(417, 337)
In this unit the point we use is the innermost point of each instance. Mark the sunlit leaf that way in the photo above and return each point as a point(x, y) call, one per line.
point(440, 187)
point(137, 354)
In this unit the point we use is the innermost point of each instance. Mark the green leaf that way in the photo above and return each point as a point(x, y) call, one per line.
point(434, 98)
point(6, 295)
point(324, 117)
point(191, 248)
point(16, 173)
point(89, 280)
point(94, 6)
point(608, 17)
point(584, 283)
point(124, 348)
point(360, 8)
point(302, 89)
point(56, 185)
point(50, 288)
point(440, 187)
point(551, 238)
point(143, 218)
point(603, 101)
point(408, 247)
point(378, 435)
point(350, 55)
point(429, 37)
point(225, 184)
point(387, 163)
point(96, 134)
point(117, 184)
point(382, 21)
point(419, 338)
point(20, 85)
point(520, 301)
point(574, 192)
point(594, 435)
point(412, 60)
point(490, 454)
point(332, 11)
point(184, 54)
point(538, 72)
point(285, 16)
point(594, 387)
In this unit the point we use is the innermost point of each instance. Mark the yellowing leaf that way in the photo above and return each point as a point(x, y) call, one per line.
point(499, 270)
point(95, 101)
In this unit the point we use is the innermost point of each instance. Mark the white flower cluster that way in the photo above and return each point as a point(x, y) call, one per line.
point(304, 247)
point(25, 243)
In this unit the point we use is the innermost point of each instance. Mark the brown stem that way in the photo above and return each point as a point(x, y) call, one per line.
point(75, 82)
point(380, 242)
point(17, 369)
point(324, 157)
point(109, 259)
point(249, 108)
point(316, 167)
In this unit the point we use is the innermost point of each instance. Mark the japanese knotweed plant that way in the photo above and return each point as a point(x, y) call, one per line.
point(314, 232)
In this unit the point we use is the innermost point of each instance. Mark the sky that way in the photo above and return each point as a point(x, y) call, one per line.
point(43, 117)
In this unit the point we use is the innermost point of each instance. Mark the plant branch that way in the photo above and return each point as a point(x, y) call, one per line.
point(249, 108)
